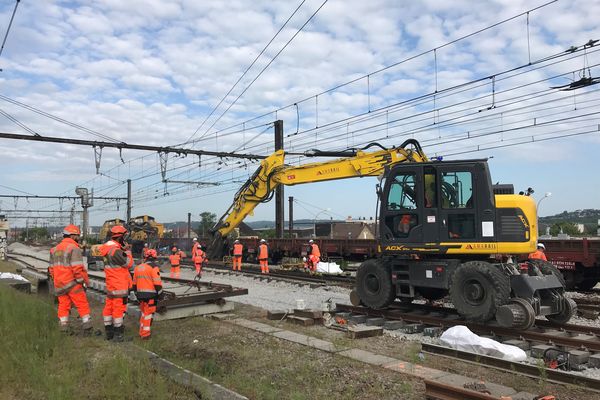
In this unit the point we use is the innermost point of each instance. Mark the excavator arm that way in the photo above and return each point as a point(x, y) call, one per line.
point(272, 172)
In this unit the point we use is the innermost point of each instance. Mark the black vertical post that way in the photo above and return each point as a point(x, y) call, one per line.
point(291, 215)
point(279, 195)
point(189, 235)
point(128, 200)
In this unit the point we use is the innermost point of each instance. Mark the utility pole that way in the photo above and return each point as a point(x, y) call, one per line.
point(291, 215)
point(189, 235)
point(128, 200)
point(86, 202)
point(279, 192)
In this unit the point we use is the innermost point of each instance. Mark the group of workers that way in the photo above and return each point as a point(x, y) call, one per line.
point(70, 279)
point(313, 256)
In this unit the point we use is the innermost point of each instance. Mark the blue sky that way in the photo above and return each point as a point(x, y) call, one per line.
point(151, 71)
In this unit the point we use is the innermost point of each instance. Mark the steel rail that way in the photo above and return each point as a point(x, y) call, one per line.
point(558, 338)
point(532, 371)
point(435, 390)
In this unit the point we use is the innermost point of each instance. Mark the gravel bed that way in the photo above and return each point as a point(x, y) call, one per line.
point(276, 295)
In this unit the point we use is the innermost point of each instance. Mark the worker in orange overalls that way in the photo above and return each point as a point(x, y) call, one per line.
point(198, 256)
point(70, 279)
point(117, 262)
point(237, 251)
point(539, 253)
point(263, 256)
point(147, 287)
point(313, 256)
point(175, 259)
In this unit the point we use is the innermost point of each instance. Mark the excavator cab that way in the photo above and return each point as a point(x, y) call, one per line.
point(427, 204)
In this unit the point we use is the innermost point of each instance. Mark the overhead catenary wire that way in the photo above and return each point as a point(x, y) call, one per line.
point(244, 73)
point(12, 17)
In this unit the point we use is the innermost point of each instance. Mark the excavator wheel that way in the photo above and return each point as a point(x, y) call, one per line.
point(569, 310)
point(547, 268)
point(477, 290)
point(374, 284)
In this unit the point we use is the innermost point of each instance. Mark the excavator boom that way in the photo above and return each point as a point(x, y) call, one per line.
point(273, 172)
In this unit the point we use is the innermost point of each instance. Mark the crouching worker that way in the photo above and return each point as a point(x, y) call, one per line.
point(70, 279)
point(147, 287)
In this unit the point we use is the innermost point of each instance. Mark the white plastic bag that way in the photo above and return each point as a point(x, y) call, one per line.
point(8, 275)
point(461, 338)
point(328, 268)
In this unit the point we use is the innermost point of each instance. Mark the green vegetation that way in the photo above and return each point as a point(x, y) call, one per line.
point(34, 234)
point(263, 367)
point(207, 221)
point(38, 362)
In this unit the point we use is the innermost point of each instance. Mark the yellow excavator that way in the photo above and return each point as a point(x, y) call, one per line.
point(444, 230)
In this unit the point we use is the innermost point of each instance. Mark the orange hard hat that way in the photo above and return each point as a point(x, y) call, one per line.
point(71, 230)
point(118, 230)
point(151, 254)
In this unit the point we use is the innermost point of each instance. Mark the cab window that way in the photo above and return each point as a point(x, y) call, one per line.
point(457, 189)
point(402, 195)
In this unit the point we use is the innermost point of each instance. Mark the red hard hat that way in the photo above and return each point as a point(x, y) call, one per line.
point(71, 230)
point(118, 230)
point(151, 254)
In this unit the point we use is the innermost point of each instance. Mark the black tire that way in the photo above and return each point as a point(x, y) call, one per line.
point(374, 284)
point(477, 289)
point(587, 284)
point(565, 315)
point(547, 268)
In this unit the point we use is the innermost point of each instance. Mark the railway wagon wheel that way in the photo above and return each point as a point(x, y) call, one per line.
point(477, 290)
point(374, 284)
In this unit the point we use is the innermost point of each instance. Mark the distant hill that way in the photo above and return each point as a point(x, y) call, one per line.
point(587, 216)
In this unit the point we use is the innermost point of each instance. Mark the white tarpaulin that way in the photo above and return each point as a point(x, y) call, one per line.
point(8, 275)
point(461, 338)
point(328, 268)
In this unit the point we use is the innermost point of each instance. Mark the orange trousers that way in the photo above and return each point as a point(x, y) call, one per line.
point(114, 309)
point(148, 308)
point(311, 263)
point(76, 296)
point(237, 263)
point(198, 268)
point(264, 266)
point(175, 270)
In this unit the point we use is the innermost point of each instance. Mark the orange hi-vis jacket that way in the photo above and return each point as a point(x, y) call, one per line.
point(198, 254)
point(314, 250)
point(537, 255)
point(118, 278)
point(263, 252)
point(146, 281)
point(175, 259)
point(66, 266)
point(238, 249)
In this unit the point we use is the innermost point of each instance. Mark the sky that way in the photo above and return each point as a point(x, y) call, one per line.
point(452, 75)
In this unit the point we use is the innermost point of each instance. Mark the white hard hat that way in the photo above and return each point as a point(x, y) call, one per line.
point(541, 245)
point(311, 241)
point(145, 244)
point(195, 239)
point(236, 241)
point(262, 240)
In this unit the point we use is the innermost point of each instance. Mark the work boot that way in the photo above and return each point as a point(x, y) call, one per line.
point(64, 328)
point(119, 333)
point(110, 332)
point(86, 328)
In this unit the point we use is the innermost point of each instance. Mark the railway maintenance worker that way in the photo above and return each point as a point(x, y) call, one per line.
point(539, 253)
point(313, 256)
point(238, 249)
point(117, 262)
point(70, 279)
point(198, 256)
point(175, 260)
point(263, 256)
point(147, 287)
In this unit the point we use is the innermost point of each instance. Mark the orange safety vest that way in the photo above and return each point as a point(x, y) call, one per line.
point(315, 250)
point(537, 255)
point(238, 249)
point(263, 252)
point(145, 252)
point(175, 259)
point(118, 278)
point(198, 255)
point(66, 266)
point(146, 281)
